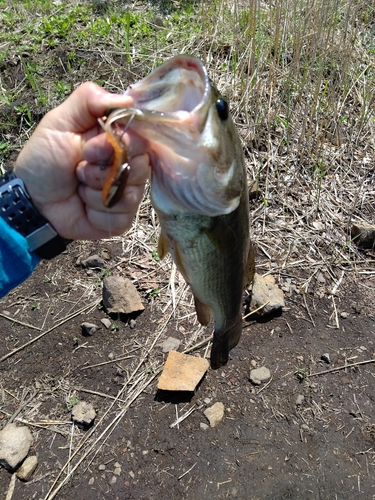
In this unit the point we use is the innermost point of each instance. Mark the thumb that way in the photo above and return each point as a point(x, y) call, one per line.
point(81, 110)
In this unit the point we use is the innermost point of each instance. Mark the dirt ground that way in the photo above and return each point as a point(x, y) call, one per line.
point(267, 446)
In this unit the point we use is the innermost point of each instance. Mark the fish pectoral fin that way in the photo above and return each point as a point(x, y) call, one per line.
point(223, 342)
point(250, 267)
point(163, 246)
point(204, 312)
point(221, 235)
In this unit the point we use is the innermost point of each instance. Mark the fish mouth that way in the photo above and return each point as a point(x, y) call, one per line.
point(175, 113)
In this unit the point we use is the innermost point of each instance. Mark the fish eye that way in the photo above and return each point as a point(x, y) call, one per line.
point(222, 109)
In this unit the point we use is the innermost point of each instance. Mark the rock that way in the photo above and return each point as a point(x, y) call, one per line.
point(113, 480)
point(15, 444)
point(117, 471)
point(203, 426)
point(27, 469)
point(101, 467)
point(170, 344)
point(91, 481)
point(132, 323)
point(363, 234)
point(88, 329)
point(260, 375)
point(106, 323)
point(182, 372)
point(120, 296)
point(300, 399)
point(344, 315)
point(266, 293)
point(215, 414)
point(83, 414)
point(94, 261)
point(325, 357)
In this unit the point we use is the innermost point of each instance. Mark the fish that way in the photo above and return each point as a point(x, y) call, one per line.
point(198, 189)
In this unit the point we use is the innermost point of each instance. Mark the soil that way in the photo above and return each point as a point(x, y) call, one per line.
point(266, 447)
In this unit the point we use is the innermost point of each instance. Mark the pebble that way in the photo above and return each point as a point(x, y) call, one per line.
point(111, 355)
point(113, 480)
point(207, 401)
point(260, 375)
point(91, 481)
point(215, 414)
point(106, 322)
point(94, 261)
point(132, 324)
point(101, 467)
point(117, 471)
point(325, 357)
point(27, 469)
point(344, 315)
point(203, 426)
point(266, 293)
point(83, 414)
point(88, 329)
point(300, 399)
point(131, 474)
point(15, 444)
point(170, 344)
point(253, 363)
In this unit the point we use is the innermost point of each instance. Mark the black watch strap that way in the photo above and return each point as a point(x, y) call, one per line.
point(18, 211)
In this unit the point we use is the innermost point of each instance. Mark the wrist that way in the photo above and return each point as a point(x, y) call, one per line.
point(18, 211)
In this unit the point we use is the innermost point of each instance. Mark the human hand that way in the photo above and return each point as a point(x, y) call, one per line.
point(61, 167)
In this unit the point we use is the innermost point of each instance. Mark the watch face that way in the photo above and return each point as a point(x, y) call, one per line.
point(19, 212)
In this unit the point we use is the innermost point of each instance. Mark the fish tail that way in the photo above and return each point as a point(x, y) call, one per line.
point(223, 342)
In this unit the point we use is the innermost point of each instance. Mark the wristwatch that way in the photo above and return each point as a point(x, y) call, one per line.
point(18, 211)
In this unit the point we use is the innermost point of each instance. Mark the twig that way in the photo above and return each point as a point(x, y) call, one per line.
point(187, 472)
point(197, 346)
point(22, 406)
point(185, 415)
point(13, 320)
point(101, 394)
point(11, 487)
point(341, 368)
point(71, 316)
point(256, 310)
point(107, 362)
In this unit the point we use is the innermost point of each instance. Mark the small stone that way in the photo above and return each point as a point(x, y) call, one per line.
point(94, 261)
point(305, 427)
point(131, 474)
point(101, 467)
point(182, 372)
point(27, 469)
point(363, 234)
point(88, 329)
point(215, 414)
point(120, 296)
point(117, 471)
point(91, 481)
point(207, 401)
point(344, 315)
point(15, 444)
point(203, 426)
point(106, 322)
point(325, 357)
point(320, 277)
point(132, 323)
point(117, 464)
point(113, 480)
point(170, 344)
point(145, 452)
point(111, 355)
point(300, 399)
point(253, 363)
point(83, 414)
point(267, 294)
point(259, 375)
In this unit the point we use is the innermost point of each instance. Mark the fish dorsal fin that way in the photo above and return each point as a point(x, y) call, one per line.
point(250, 267)
point(204, 313)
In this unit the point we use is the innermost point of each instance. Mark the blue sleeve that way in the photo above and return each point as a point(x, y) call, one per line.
point(16, 262)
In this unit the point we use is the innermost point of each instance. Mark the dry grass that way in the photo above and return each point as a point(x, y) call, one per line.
point(300, 76)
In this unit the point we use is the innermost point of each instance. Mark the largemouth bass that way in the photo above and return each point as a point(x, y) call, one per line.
point(198, 189)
